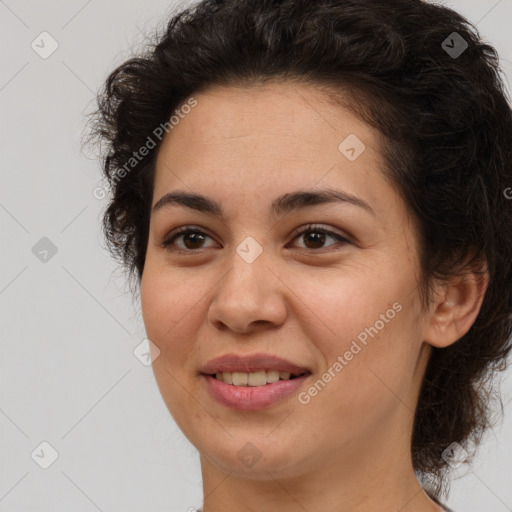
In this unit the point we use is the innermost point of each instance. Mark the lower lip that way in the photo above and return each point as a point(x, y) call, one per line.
point(251, 398)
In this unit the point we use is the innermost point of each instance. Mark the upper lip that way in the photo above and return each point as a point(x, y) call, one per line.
point(250, 363)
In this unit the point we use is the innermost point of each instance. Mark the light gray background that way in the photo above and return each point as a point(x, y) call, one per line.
point(68, 375)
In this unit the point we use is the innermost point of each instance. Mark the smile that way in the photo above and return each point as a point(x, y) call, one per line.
point(250, 397)
point(260, 378)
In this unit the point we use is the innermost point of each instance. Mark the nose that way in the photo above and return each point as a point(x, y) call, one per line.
point(249, 296)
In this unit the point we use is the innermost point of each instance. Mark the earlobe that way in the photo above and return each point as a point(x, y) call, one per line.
point(456, 308)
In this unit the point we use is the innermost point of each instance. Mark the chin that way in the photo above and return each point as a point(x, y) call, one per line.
point(255, 458)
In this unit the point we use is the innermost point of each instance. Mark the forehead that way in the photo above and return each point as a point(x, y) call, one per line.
point(287, 117)
point(264, 126)
point(259, 142)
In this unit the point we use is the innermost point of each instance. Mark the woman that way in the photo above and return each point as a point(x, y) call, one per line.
point(311, 197)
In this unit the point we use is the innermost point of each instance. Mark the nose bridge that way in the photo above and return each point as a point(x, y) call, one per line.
point(247, 292)
point(247, 275)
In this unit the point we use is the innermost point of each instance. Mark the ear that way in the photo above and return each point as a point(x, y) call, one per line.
point(455, 308)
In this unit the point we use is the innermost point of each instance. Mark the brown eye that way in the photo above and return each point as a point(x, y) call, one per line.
point(315, 237)
point(191, 238)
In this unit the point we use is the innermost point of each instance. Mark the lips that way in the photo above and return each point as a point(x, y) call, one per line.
point(249, 398)
point(251, 363)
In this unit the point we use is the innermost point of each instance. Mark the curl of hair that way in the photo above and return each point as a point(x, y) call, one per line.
point(446, 127)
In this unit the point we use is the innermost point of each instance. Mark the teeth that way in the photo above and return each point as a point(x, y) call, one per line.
point(272, 376)
point(240, 379)
point(252, 379)
point(256, 378)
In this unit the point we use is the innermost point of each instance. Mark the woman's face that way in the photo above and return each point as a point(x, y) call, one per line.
point(347, 311)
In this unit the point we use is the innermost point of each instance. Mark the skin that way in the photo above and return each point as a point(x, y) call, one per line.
point(348, 449)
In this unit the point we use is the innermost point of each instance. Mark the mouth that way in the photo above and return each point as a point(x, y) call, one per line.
point(249, 392)
point(254, 366)
point(251, 382)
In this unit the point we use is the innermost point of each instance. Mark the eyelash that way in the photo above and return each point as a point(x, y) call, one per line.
point(191, 229)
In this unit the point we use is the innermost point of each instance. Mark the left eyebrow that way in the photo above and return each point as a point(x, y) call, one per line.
point(282, 205)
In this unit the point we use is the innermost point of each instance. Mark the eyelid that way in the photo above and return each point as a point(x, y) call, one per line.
point(321, 227)
point(184, 229)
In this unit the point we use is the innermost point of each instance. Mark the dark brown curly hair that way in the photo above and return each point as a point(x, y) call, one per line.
point(446, 122)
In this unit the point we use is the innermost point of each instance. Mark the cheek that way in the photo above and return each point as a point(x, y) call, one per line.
point(343, 304)
point(173, 307)
point(163, 305)
point(368, 323)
